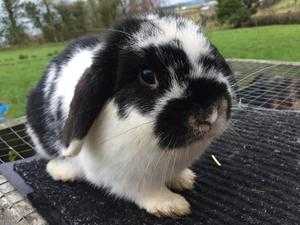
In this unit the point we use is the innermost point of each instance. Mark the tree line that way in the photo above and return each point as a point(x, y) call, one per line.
point(59, 20)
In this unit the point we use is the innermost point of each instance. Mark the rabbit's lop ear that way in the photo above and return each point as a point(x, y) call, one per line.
point(91, 93)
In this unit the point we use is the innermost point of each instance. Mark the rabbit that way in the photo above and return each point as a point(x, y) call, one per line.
point(131, 109)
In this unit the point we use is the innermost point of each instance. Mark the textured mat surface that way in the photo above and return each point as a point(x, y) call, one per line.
point(258, 181)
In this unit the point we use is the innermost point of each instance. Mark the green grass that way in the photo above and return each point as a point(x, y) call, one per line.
point(280, 42)
point(21, 68)
point(18, 76)
point(33, 52)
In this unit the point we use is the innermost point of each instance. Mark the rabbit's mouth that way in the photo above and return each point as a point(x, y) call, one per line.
point(206, 131)
point(201, 130)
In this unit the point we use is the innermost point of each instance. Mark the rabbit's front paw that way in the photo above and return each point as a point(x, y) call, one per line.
point(62, 169)
point(166, 204)
point(184, 180)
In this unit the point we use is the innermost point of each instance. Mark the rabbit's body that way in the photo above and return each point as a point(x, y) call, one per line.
point(136, 108)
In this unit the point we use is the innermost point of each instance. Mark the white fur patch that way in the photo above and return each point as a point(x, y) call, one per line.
point(70, 74)
point(213, 117)
point(175, 91)
point(37, 144)
point(183, 180)
point(193, 41)
point(212, 75)
point(73, 149)
point(63, 169)
point(50, 78)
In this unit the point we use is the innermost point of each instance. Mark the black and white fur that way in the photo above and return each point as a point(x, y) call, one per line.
point(134, 139)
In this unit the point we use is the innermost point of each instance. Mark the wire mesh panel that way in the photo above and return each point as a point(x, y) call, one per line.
point(267, 85)
point(14, 208)
point(15, 144)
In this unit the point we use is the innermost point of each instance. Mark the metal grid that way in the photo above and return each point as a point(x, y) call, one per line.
point(15, 144)
point(258, 85)
point(273, 86)
point(14, 208)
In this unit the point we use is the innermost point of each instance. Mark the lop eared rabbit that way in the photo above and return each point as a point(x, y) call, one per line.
point(131, 110)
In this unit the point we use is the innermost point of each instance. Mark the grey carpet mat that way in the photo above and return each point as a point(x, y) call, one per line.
point(258, 181)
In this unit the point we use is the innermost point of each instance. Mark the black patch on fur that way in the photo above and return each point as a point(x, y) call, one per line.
point(222, 66)
point(217, 62)
point(59, 115)
point(130, 92)
point(91, 93)
point(210, 62)
point(59, 109)
point(172, 125)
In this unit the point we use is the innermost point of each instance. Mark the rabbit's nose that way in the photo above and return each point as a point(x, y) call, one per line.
point(197, 122)
point(212, 117)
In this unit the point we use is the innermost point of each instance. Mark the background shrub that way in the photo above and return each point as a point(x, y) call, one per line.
point(233, 12)
point(278, 18)
point(22, 56)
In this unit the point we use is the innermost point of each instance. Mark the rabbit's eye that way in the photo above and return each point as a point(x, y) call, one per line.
point(148, 78)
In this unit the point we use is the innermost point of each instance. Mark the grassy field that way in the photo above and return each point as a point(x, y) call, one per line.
point(21, 68)
point(19, 71)
point(269, 42)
